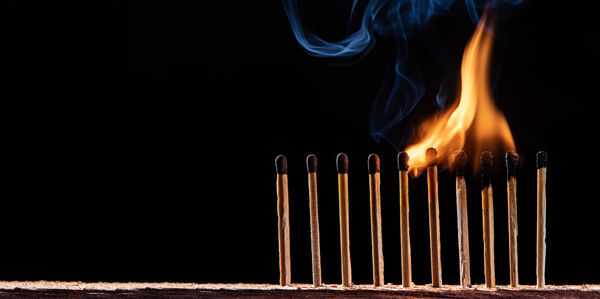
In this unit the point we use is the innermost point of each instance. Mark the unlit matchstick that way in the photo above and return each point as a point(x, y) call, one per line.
point(285, 278)
point(342, 168)
point(512, 159)
point(311, 168)
point(376, 238)
point(488, 218)
point(404, 227)
point(434, 217)
point(460, 161)
point(542, 162)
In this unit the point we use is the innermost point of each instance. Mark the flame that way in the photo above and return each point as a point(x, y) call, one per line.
point(474, 109)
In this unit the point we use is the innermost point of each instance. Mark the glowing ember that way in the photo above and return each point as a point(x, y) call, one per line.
point(475, 109)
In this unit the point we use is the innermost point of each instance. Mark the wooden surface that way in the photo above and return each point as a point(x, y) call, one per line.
point(188, 290)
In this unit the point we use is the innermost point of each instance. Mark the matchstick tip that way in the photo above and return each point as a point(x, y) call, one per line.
point(431, 156)
point(373, 163)
point(403, 159)
point(281, 164)
point(311, 163)
point(541, 159)
point(512, 159)
point(487, 161)
point(460, 162)
point(342, 163)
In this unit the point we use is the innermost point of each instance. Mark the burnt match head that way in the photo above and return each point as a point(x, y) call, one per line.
point(281, 164)
point(541, 159)
point(311, 163)
point(431, 156)
point(403, 159)
point(373, 163)
point(487, 161)
point(512, 159)
point(460, 162)
point(342, 163)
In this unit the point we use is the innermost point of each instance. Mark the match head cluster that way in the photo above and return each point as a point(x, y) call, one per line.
point(403, 160)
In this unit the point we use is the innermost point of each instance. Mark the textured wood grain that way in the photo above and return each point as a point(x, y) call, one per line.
point(315, 243)
point(191, 290)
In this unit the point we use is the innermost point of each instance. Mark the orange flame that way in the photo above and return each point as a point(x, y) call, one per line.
point(475, 109)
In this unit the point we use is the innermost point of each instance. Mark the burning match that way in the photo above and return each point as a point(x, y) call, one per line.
point(542, 162)
point(487, 160)
point(462, 217)
point(342, 169)
point(315, 243)
point(434, 218)
point(376, 238)
point(404, 227)
point(283, 213)
point(512, 159)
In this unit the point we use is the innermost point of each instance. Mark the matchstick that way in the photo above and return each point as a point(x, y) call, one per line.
point(488, 218)
point(315, 243)
point(460, 161)
point(404, 228)
point(542, 162)
point(376, 239)
point(342, 168)
point(512, 159)
point(285, 278)
point(434, 218)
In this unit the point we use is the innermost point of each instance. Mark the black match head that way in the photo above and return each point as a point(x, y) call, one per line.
point(512, 160)
point(541, 159)
point(373, 163)
point(311, 163)
point(487, 161)
point(342, 163)
point(460, 162)
point(403, 159)
point(281, 164)
point(431, 156)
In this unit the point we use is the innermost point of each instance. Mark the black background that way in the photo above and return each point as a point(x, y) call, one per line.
point(142, 138)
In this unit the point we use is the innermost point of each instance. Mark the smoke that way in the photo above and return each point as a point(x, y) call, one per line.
point(403, 89)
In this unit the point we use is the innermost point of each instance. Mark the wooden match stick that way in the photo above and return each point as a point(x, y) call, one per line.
point(285, 275)
point(512, 159)
point(434, 217)
point(376, 238)
point(542, 162)
point(342, 168)
point(315, 244)
point(462, 217)
point(403, 159)
point(487, 160)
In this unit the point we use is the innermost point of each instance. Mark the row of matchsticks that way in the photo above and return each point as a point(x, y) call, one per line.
point(434, 229)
